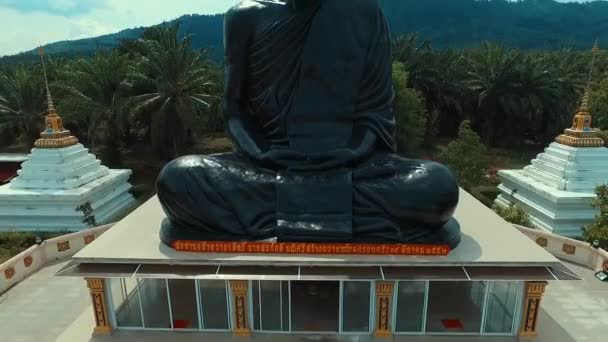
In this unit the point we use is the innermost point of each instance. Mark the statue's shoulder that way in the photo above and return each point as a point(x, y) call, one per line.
point(246, 9)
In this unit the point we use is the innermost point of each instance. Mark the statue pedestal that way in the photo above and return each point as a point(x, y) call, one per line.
point(558, 187)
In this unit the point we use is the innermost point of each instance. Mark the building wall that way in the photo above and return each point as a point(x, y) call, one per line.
point(417, 308)
point(578, 252)
point(37, 256)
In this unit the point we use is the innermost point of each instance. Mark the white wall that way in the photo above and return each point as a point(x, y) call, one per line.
point(40, 255)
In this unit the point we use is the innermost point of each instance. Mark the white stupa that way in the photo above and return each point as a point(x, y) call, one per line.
point(62, 187)
point(557, 189)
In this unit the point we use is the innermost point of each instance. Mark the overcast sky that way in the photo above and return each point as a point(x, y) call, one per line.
point(26, 23)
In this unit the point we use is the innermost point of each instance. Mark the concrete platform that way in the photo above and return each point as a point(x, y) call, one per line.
point(487, 240)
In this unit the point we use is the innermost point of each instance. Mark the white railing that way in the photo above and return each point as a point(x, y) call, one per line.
point(578, 252)
point(36, 257)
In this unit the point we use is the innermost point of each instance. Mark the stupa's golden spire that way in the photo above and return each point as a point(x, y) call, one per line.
point(581, 134)
point(54, 135)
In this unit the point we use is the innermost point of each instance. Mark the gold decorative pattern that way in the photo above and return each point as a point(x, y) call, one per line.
point(63, 246)
point(240, 289)
point(27, 262)
point(581, 134)
point(9, 273)
point(309, 248)
point(97, 290)
point(88, 239)
point(541, 241)
point(384, 297)
point(569, 249)
point(534, 294)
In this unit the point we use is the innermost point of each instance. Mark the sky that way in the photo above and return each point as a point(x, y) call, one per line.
point(25, 24)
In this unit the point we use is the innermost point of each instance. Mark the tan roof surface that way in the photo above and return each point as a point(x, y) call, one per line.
point(486, 240)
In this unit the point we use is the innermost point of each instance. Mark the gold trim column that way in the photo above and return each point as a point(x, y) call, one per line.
point(100, 309)
point(384, 299)
point(534, 294)
point(240, 288)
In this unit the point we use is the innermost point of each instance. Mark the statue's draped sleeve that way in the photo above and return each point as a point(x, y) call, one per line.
point(374, 110)
point(243, 130)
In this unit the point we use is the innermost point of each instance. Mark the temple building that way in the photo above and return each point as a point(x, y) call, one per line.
point(491, 285)
point(557, 188)
point(62, 187)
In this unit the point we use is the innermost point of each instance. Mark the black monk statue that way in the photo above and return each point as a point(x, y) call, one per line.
point(309, 104)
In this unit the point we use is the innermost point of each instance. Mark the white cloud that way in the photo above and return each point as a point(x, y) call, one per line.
point(24, 31)
point(63, 4)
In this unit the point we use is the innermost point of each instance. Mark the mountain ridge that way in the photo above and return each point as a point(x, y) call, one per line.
point(526, 24)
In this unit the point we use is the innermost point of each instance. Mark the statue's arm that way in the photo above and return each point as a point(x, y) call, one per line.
point(244, 132)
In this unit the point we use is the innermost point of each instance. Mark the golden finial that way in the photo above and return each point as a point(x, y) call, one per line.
point(596, 47)
point(581, 134)
point(54, 135)
point(584, 108)
point(49, 98)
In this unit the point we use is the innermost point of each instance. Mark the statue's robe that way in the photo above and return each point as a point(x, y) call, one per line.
point(317, 79)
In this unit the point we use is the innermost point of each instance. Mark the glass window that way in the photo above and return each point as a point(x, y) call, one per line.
point(214, 304)
point(410, 306)
point(355, 306)
point(270, 311)
point(125, 300)
point(270, 305)
point(155, 303)
point(500, 311)
point(315, 306)
point(455, 306)
point(182, 294)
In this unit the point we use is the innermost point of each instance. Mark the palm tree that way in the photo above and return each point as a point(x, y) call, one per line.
point(22, 103)
point(553, 81)
point(439, 77)
point(173, 82)
point(95, 96)
point(494, 78)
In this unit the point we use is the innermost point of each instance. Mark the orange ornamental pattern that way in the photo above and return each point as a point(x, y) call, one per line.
point(308, 248)
point(28, 261)
point(88, 239)
point(9, 273)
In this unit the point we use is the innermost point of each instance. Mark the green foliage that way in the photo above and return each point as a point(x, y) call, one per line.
point(409, 113)
point(514, 214)
point(22, 103)
point(604, 136)
point(599, 104)
point(598, 230)
point(466, 156)
point(13, 243)
point(95, 100)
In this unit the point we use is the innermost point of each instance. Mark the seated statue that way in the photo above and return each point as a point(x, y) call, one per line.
point(309, 104)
